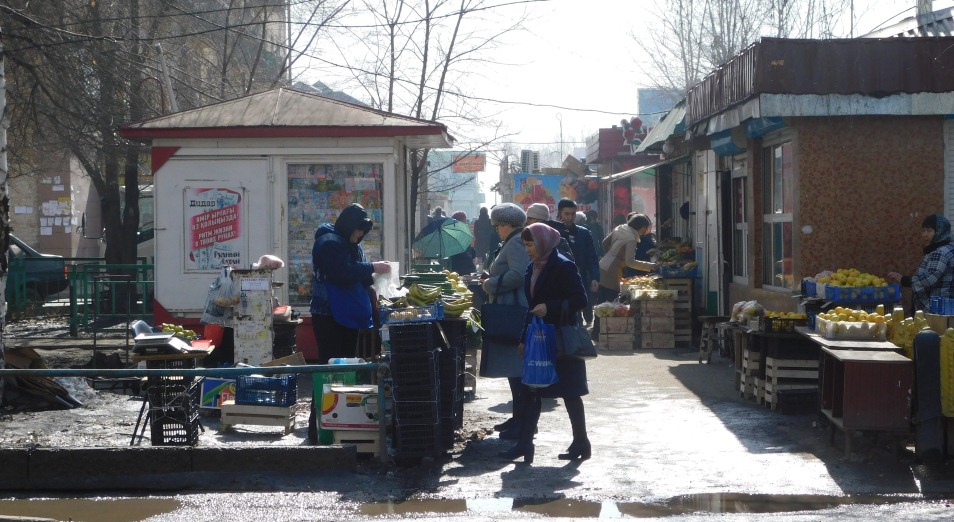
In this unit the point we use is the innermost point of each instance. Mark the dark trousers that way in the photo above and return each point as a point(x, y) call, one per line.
point(602, 295)
point(519, 396)
point(333, 339)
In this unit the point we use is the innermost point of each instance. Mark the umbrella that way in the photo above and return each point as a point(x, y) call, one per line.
point(443, 238)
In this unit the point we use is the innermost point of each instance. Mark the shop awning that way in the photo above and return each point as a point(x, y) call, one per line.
point(674, 122)
point(630, 172)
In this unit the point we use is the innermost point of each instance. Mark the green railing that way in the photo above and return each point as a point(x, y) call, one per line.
point(106, 298)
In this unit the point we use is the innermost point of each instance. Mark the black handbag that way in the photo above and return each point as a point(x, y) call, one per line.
point(573, 340)
point(502, 325)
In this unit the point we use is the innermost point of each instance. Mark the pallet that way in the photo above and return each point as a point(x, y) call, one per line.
point(233, 414)
point(365, 441)
point(751, 386)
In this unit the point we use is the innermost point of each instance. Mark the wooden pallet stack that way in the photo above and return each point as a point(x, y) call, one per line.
point(617, 334)
point(683, 308)
point(788, 374)
point(750, 385)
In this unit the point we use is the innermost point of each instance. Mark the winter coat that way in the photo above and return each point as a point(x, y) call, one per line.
point(334, 258)
point(485, 236)
point(584, 254)
point(559, 283)
point(511, 262)
point(620, 248)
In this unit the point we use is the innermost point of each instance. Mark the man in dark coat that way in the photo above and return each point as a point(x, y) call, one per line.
point(584, 251)
point(485, 237)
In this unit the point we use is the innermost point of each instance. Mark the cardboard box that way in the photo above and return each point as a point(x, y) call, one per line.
point(574, 165)
point(657, 324)
point(213, 392)
point(618, 342)
point(349, 407)
point(657, 308)
point(657, 340)
point(939, 323)
point(611, 325)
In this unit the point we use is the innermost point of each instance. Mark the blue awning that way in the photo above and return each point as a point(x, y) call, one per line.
point(722, 144)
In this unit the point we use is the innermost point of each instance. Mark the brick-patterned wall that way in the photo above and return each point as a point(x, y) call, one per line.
point(864, 185)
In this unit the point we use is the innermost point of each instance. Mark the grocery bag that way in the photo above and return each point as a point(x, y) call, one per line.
point(539, 368)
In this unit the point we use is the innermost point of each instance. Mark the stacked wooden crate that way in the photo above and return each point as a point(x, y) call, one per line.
point(656, 320)
point(683, 308)
point(788, 374)
point(750, 385)
point(617, 334)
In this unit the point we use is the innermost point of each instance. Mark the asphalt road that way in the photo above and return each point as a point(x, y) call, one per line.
point(671, 438)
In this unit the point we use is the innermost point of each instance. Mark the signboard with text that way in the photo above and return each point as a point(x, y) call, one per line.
point(213, 227)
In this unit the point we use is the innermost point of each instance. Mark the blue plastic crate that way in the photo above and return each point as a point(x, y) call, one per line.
point(863, 294)
point(281, 390)
point(942, 305)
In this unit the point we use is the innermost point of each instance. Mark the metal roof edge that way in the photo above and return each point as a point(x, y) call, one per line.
point(637, 170)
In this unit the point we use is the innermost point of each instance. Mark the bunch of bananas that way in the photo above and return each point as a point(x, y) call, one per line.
point(422, 295)
point(457, 304)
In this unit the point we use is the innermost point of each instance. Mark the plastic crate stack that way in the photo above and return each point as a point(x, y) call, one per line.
point(256, 390)
point(451, 373)
point(415, 352)
point(173, 405)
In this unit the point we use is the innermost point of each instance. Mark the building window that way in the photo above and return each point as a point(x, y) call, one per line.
point(740, 224)
point(777, 204)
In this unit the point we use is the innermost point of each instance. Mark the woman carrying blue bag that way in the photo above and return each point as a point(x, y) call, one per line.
point(555, 294)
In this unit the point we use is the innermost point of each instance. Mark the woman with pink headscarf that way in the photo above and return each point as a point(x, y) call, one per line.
point(556, 294)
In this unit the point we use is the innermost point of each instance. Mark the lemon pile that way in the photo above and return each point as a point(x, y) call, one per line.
point(852, 277)
point(786, 315)
point(847, 323)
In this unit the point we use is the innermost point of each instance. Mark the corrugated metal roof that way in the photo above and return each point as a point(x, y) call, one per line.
point(289, 113)
point(674, 122)
point(868, 67)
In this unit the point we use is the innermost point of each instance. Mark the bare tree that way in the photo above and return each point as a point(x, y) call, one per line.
point(4, 198)
point(80, 69)
point(692, 37)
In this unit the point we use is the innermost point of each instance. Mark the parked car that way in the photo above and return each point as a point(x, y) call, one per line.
point(43, 274)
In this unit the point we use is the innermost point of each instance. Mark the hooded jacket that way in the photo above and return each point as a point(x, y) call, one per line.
point(935, 274)
point(335, 258)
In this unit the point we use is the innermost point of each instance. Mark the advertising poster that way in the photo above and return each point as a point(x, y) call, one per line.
point(550, 189)
point(317, 193)
point(213, 227)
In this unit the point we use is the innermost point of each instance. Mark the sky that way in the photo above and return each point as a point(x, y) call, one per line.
point(581, 55)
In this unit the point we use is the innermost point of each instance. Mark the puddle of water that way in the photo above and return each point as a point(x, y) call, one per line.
point(681, 505)
point(89, 509)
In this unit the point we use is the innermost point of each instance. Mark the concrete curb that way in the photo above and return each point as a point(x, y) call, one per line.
point(163, 468)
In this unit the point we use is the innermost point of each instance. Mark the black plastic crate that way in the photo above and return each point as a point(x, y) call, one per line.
point(174, 428)
point(448, 434)
point(415, 393)
point(418, 441)
point(456, 333)
point(449, 368)
point(451, 400)
point(172, 364)
point(280, 390)
point(415, 412)
point(413, 338)
point(182, 397)
point(414, 369)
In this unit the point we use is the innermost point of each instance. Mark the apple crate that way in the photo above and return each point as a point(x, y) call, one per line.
point(614, 325)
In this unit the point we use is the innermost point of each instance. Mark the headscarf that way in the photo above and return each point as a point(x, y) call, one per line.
point(460, 215)
point(942, 231)
point(545, 238)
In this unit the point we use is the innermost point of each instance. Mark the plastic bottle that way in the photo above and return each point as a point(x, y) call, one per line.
point(346, 360)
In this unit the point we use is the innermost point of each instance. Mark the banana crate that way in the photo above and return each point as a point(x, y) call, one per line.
point(412, 314)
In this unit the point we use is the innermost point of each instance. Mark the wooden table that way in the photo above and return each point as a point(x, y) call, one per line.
point(864, 386)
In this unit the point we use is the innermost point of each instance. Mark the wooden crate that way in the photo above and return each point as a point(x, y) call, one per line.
point(365, 441)
point(656, 324)
point(616, 342)
point(233, 414)
point(682, 308)
point(788, 374)
point(617, 325)
point(751, 386)
point(655, 340)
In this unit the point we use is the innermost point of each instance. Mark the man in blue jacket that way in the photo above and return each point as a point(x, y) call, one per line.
point(584, 251)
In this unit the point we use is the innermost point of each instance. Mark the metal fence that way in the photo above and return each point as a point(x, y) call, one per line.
point(107, 297)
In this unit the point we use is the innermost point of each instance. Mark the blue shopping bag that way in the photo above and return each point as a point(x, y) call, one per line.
point(539, 357)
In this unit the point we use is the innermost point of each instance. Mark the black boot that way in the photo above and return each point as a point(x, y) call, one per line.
point(524, 448)
point(505, 425)
point(580, 448)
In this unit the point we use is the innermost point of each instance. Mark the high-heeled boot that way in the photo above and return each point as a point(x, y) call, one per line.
point(524, 448)
point(580, 448)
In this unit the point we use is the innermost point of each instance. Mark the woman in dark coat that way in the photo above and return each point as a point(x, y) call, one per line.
point(485, 237)
point(553, 283)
